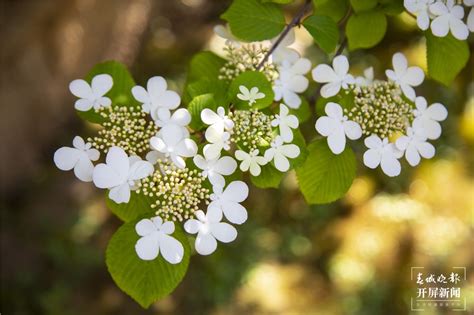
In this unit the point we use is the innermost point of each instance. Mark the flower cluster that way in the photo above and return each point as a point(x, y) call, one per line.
point(146, 150)
point(442, 16)
point(380, 111)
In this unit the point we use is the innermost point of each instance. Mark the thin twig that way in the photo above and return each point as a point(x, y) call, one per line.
point(294, 22)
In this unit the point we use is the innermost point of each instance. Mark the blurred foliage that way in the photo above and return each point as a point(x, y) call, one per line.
point(349, 257)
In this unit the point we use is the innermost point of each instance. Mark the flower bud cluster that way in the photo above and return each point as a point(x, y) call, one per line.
point(251, 128)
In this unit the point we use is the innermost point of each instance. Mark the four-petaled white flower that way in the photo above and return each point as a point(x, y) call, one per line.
point(250, 161)
point(181, 118)
point(218, 140)
point(420, 8)
point(92, 96)
point(448, 17)
point(228, 201)
point(119, 174)
point(251, 95)
point(156, 98)
point(336, 127)
point(383, 153)
point(280, 152)
point(367, 79)
point(406, 77)
point(336, 77)
point(285, 123)
point(214, 169)
point(219, 120)
point(156, 238)
point(414, 145)
point(209, 228)
point(428, 117)
point(291, 80)
point(174, 144)
point(79, 158)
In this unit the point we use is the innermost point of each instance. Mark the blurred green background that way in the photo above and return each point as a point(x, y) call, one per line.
point(350, 257)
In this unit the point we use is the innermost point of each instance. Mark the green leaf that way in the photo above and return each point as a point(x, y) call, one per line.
point(120, 94)
point(251, 79)
point(324, 31)
point(344, 98)
point(207, 86)
point(446, 56)
point(205, 64)
point(270, 177)
point(303, 112)
point(279, 1)
point(363, 5)
point(145, 281)
point(299, 140)
point(197, 105)
point(326, 177)
point(366, 29)
point(252, 20)
point(391, 7)
point(335, 9)
point(138, 205)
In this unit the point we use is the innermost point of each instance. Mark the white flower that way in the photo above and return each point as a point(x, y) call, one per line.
point(449, 17)
point(406, 77)
point(428, 117)
point(119, 174)
point(156, 97)
point(78, 158)
point(335, 77)
point(470, 17)
point(420, 8)
point(215, 168)
point(218, 139)
point(280, 153)
point(367, 79)
point(218, 119)
point(251, 95)
point(92, 95)
point(174, 144)
point(225, 33)
point(382, 153)
point(282, 52)
point(155, 238)
point(337, 127)
point(291, 80)
point(250, 161)
point(209, 228)
point(414, 144)
point(228, 201)
point(181, 118)
point(285, 123)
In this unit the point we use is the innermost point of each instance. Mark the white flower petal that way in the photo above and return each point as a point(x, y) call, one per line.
point(224, 232)
point(140, 94)
point(169, 99)
point(140, 169)
point(205, 244)
point(372, 158)
point(440, 26)
point(81, 88)
point(340, 65)
point(209, 117)
point(237, 191)
point(192, 226)
point(352, 130)
point(101, 84)
point(235, 212)
point(412, 155)
point(145, 227)
point(437, 112)
point(147, 248)
point(330, 89)
point(414, 76)
point(171, 249)
point(281, 163)
point(66, 158)
point(225, 166)
point(323, 74)
point(120, 194)
point(337, 140)
point(390, 165)
point(83, 169)
point(426, 150)
point(325, 125)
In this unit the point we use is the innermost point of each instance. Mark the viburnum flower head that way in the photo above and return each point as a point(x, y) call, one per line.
point(415, 146)
point(291, 80)
point(156, 97)
point(209, 228)
point(120, 173)
point(250, 161)
point(215, 169)
point(279, 152)
point(156, 238)
point(227, 201)
point(383, 153)
point(448, 18)
point(335, 78)
point(218, 119)
point(406, 77)
point(251, 95)
point(285, 123)
point(336, 127)
point(174, 144)
point(79, 158)
point(92, 96)
point(421, 9)
point(428, 117)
